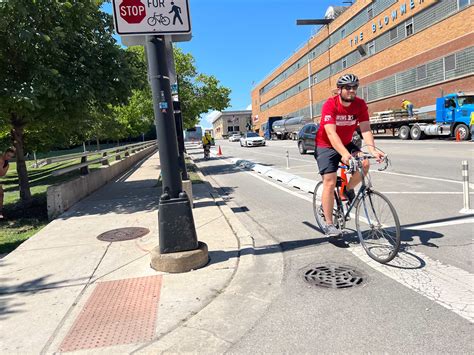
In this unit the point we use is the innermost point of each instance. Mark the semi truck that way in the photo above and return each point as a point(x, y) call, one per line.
point(453, 115)
point(286, 128)
point(267, 127)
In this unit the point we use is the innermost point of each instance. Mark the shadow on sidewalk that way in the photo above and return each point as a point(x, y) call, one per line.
point(10, 305)
point(123, 197)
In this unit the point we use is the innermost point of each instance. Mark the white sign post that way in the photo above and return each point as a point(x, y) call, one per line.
point(152, 17)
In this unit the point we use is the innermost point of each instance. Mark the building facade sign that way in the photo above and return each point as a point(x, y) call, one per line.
point(384, 21)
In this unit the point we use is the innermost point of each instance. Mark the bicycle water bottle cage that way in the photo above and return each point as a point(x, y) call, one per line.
point(339, 181)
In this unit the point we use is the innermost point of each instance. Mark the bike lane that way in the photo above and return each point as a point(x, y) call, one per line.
point(380, 315)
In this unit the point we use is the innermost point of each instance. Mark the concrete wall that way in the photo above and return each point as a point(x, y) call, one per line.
point(62, 196)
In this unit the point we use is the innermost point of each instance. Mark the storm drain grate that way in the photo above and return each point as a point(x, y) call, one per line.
point(121, 234)
point(333, 276)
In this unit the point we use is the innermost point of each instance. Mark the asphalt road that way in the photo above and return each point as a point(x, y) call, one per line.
point(424, 183)
point(422, 302)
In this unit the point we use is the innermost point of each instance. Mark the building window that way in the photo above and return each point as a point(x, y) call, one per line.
point(421, 72)
point(343, 33)
point(370, 12)
point(409, 28)
point(450, 62)
point(463, 3)
point(230, 129)
point(393, 33)
point(344, 63)
point(236, 128)
point(371, 47)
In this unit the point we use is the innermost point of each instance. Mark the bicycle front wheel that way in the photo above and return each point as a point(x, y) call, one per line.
point(318, 208)
point(378, 226)
point(165, 21)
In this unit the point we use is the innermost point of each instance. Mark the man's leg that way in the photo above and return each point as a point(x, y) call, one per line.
point(327, 199)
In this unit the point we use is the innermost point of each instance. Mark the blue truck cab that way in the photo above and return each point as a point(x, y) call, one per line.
point(267, 127)
point(454, 111)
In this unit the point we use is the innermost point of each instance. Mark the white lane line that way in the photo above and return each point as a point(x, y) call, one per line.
point(471, 185)
point(283, 157)
point(443, 224)
point(423, 192)
point(420, 177)
point(303, 197)
point(447, 285)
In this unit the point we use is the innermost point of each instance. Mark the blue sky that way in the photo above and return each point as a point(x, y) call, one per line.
point(242, 41)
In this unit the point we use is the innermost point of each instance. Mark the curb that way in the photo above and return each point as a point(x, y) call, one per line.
point(212, 328)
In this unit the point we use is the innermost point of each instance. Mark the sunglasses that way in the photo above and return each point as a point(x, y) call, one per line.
point(349, 87)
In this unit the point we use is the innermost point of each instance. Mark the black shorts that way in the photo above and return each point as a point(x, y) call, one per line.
point(328, 158)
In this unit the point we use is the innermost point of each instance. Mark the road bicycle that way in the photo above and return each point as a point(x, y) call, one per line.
point(160, 18)
point(376, 220)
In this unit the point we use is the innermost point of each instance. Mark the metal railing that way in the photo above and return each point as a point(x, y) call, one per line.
point(116, 153)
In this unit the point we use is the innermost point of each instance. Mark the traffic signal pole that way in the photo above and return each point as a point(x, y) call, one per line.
point(177, 232)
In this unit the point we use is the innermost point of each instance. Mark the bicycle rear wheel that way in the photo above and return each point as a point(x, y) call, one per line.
point(378, 226)
point(318, 208)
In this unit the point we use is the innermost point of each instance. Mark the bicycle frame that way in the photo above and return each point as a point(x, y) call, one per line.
point(361, 192)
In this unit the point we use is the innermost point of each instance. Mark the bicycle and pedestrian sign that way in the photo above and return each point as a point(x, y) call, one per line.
point(153, 17)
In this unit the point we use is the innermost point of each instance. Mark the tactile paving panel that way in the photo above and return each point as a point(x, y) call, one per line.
point(117, 312)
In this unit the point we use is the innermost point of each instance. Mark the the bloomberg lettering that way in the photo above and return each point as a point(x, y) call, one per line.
point(386, 19)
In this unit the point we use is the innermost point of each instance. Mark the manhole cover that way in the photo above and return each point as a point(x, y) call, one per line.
point(333, 276)
point(121, 234)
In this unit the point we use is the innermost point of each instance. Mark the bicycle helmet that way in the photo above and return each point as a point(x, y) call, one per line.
point(348, 79)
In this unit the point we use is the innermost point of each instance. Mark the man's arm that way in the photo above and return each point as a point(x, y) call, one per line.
point(369, 139)
point(337, 143)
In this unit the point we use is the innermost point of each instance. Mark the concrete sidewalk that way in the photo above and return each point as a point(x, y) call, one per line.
point(64, 290)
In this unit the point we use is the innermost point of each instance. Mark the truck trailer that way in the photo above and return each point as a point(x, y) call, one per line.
point(288, 128)
point(453, 115)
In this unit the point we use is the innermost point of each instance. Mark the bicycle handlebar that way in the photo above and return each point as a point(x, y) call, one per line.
point(356, 162)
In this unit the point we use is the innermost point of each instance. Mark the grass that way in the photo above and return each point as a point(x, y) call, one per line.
point(192, 169)
point(192, 172)
point(21, 223)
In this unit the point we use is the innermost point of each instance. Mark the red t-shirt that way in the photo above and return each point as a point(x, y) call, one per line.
point(346, 119)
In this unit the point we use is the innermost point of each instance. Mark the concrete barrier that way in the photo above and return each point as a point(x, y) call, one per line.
point(304, 184)
point(61, 197)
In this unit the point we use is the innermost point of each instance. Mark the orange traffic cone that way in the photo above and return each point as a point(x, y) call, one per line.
point(344, 183)
point(458, 136)
point(219, 152)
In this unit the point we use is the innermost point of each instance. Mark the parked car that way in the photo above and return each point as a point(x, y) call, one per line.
point(251, 139)
point(234, 137)
point(307, 134)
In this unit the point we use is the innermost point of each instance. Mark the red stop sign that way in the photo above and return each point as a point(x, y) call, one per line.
point(132, 11)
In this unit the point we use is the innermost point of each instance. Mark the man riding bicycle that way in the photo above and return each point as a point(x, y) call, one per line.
point(339, 119)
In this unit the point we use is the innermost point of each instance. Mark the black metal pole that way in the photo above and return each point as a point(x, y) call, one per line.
point(177, 232)
point(179, 131)
point(164, 115)
point(176, 106)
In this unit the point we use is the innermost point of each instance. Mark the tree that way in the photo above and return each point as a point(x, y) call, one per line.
point(198, 94)
point(60, 66)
